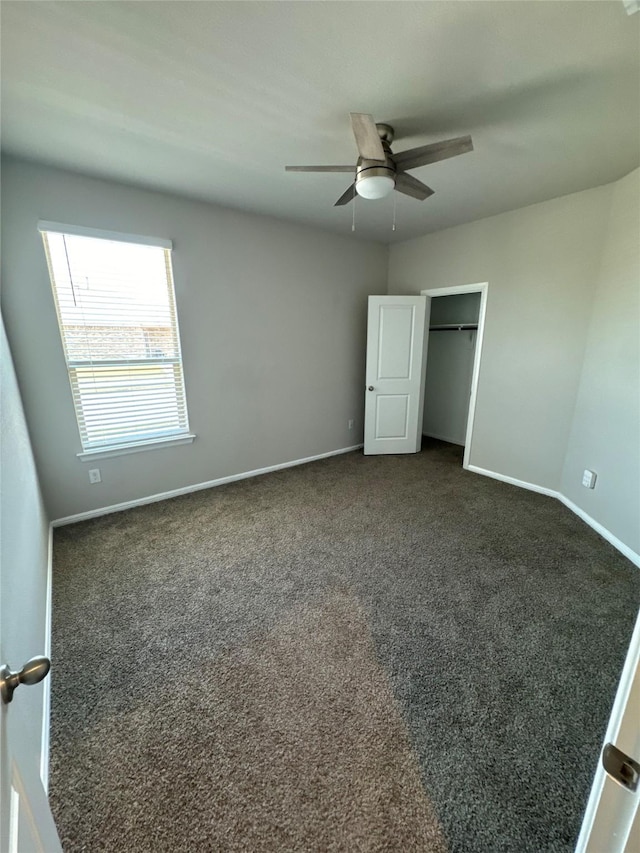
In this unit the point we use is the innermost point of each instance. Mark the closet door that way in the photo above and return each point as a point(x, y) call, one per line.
point(394, 374)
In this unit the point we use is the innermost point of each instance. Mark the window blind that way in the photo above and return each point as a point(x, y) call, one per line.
point(116, 310)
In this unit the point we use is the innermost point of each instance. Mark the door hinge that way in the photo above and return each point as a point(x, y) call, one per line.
point(621, 767)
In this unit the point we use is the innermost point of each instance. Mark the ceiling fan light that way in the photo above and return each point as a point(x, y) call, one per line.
point(375, 186)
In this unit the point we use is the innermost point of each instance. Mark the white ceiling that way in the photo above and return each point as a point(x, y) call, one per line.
point(212, 99)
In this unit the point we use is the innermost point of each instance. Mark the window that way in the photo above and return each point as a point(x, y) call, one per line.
point(116, 310)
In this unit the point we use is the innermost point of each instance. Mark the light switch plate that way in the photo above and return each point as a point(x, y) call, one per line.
point(589, 479)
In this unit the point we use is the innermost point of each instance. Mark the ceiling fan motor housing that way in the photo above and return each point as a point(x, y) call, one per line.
point(375, 168)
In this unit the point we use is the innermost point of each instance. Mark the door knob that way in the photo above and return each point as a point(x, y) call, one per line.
point(32, 672)
point(621, 767)
point(371, 388)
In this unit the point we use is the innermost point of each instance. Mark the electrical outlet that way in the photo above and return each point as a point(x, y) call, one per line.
point(94, 475)
point(589, 479)
point(350, 423)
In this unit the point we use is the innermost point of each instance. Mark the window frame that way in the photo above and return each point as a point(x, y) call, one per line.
point(152, 441)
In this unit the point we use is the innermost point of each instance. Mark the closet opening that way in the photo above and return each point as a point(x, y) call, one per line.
point(454, 330)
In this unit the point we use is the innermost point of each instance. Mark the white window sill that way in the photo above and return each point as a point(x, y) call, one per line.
point(124, 449)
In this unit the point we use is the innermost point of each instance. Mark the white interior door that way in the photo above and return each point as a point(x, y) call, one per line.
point(612, 817)
point(394, 393)
point(26, 824)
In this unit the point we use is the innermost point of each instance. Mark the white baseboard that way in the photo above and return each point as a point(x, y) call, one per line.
point(185, 490)
point(221, 481)
point(532, 487)
point(595, 525)
point(606, 534)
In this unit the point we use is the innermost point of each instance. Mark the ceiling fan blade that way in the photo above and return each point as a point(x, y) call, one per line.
point(320, 169)
point(409, 185)
point(432, 153)
point(346, 197)
point(366, 134)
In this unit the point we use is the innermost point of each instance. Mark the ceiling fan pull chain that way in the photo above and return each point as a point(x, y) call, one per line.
point(353, 216)
point(395, 200)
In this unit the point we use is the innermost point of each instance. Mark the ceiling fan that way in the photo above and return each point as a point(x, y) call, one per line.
point(379, 171)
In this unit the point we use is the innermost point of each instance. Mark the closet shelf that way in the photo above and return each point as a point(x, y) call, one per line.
point(453, 327)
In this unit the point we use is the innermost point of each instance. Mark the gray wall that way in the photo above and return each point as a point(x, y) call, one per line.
point(539, 262)
point(605, 433)
point(272, 320)
point(24, 542)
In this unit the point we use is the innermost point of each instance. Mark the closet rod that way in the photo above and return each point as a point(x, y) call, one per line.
point(453, 327)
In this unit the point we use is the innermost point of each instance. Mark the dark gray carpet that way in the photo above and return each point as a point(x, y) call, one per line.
point(361, 654)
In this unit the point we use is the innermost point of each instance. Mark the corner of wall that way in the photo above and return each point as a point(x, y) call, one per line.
point(606, 422)
point(388, 270)
point(596, 272)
